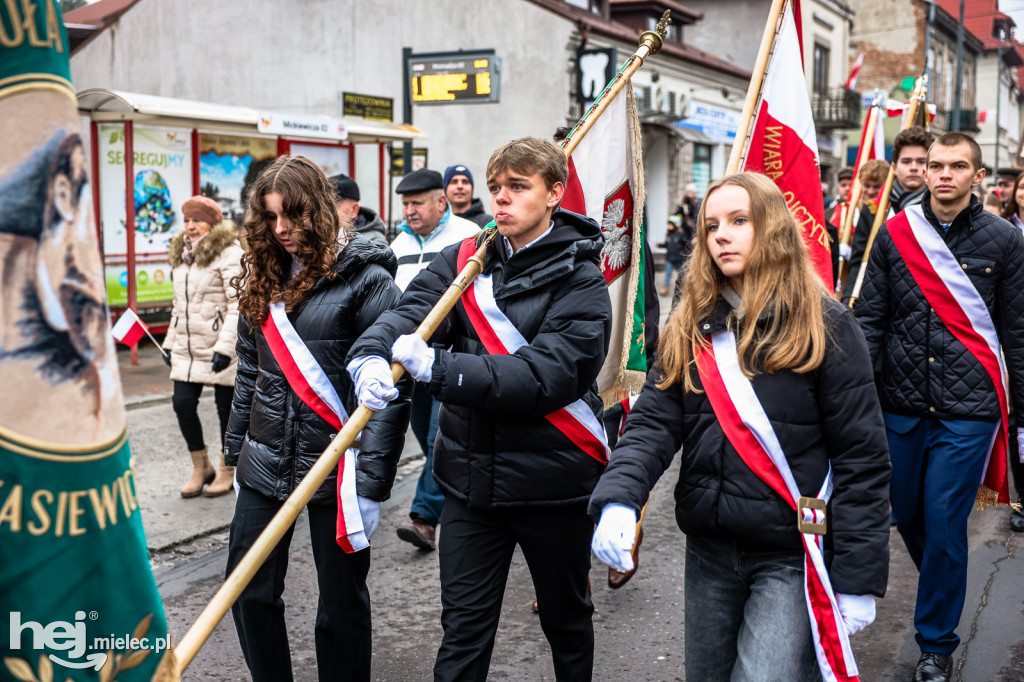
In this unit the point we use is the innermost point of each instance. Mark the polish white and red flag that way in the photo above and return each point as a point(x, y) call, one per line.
point(876, 145)
point(897, 108)
point(606, 183)
point(851, 80)
point(986, 115)
point(129, 328)
point(783, 142)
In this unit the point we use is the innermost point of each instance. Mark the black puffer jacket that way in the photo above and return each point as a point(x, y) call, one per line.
point(828, 415)
point(494, 448)
point(476, 214)
point(925, 371)
point(273, 436)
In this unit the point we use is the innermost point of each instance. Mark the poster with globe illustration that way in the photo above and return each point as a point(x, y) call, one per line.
point(162, 182)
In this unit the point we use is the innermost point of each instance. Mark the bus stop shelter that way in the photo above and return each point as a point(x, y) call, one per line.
point(149, 154)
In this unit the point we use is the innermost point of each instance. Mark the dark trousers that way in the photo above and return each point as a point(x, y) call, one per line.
point(746, 614)
point(937, 466)
point(1016, 466)
point(428, 500)
point(475, 550)
point(342, 631)
point(186, 404)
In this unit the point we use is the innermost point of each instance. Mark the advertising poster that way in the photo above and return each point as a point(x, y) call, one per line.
point(228, 165)
point(162, 183)
point(332, 160)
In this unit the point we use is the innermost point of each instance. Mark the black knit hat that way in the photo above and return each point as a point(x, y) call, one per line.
point(344, 187)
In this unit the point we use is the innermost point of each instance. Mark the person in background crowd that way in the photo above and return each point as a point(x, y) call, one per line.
point(528, 340)
point(1014, 212)
point(689, 204)
point(909, 151)
point(677, 245)
point(364, 220)
point(1006, 178)
point(430, 225)
point(943, 300)
point(307, 289)
point(201, 335)
point(992, 203)
point(844, 182)
point(873, 174)
point(800, 361)
point(458, 188)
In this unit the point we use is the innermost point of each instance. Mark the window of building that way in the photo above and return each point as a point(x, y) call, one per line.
point(822, 55)
point(701, 167)
point(595, 6)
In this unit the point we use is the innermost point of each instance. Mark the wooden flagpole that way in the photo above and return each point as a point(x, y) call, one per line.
point(771, 31)
point(202, 628)
point(856, 189)
point(916, 102)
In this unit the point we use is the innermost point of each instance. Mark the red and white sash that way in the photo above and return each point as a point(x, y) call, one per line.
point(961, 308)
point(500, 337)
point(311, 385)
point(750, 432)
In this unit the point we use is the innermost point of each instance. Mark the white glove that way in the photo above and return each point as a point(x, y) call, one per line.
point(857, 610)
point(613, 539)
point(845, 251)
point(372, 376)
point(370, 511)
point(1020, 443)
point(415, 355)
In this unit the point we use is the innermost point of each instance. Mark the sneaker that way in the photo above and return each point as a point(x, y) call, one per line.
point(418, 532)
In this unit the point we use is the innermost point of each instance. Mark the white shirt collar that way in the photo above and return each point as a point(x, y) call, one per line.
point(509, 251)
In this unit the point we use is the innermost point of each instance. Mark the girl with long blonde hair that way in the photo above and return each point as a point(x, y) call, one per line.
point(766, 384)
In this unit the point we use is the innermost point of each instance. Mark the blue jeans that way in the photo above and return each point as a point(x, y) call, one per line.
point(937, 466)
point(671, 269)
point(746, 614)
point(429, 500)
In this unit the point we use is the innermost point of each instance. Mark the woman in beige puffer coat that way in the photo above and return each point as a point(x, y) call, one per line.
point(202, 333)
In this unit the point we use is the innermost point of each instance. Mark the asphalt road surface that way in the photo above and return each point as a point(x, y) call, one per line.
point(639, 628)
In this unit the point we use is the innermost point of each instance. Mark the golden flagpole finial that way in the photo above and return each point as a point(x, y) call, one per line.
point(653, 39)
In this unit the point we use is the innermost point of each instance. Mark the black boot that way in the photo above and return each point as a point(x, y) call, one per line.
point(1017, 519)
point(933, 668)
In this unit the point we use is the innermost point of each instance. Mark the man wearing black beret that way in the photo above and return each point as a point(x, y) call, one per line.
point(429, 226)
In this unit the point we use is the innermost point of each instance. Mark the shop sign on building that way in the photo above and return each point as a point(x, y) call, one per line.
point(368, 107)
point(717, 123)
point(297, 125)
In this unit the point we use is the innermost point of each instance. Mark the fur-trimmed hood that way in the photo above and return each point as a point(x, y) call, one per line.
point(207, 250)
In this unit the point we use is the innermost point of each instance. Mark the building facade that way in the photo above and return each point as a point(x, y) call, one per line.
point(903, 40)
point(303, 59)
point(733, 28)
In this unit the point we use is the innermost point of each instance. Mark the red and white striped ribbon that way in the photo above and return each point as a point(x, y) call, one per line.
point(314, 388)
point(500, 337)
point(950, 292)
point(743, 419)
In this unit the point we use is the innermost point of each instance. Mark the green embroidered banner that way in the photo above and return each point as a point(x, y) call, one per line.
point(78, 595)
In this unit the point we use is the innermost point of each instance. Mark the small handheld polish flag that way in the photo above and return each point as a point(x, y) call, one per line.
point(129, 329)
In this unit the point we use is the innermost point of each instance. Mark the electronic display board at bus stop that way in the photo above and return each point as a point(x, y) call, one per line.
point(455, 77)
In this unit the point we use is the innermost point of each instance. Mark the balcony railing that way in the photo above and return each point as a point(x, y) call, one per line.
point(837, 108)
point(968, 120)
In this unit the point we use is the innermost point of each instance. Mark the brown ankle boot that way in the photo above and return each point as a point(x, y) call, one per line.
point(202, 473)
point(225, 481)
